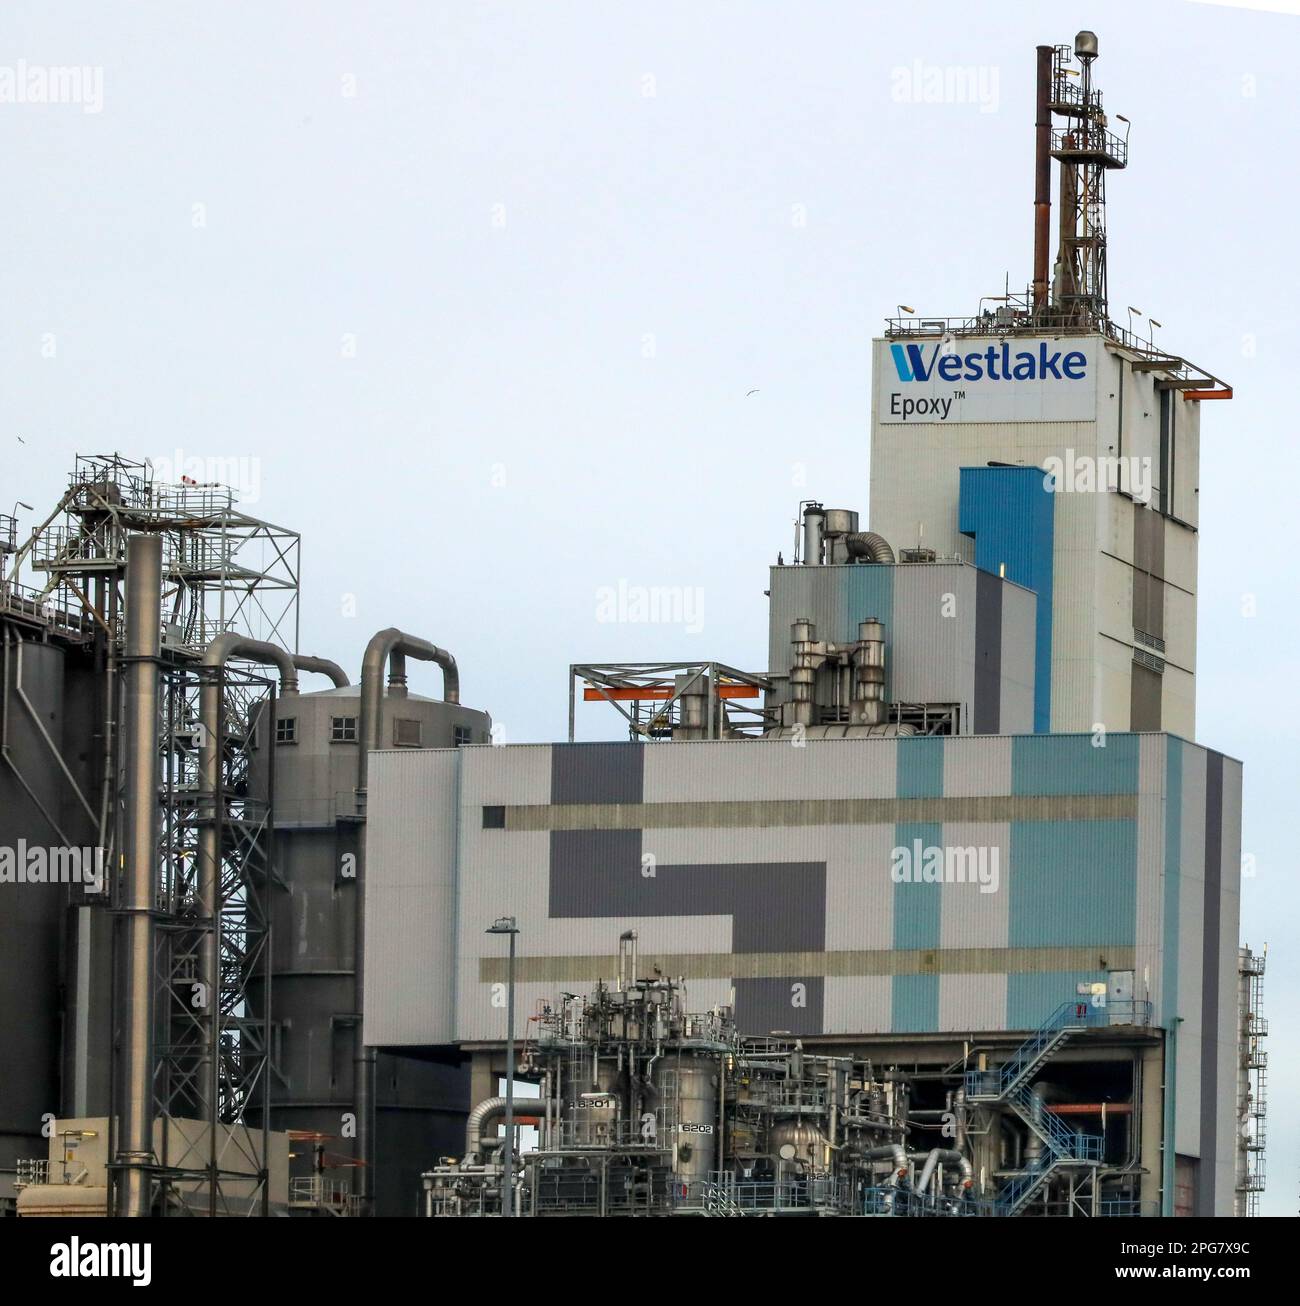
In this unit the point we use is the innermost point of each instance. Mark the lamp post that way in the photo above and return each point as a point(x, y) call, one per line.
point(506, 925)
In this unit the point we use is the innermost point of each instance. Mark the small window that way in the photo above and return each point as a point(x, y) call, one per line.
point(406, 732)
point(343, 730)
point(286, 730)
point(463, 735)
point(494, 818)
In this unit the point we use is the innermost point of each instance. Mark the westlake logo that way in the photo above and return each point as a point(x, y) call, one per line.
point(991, 364)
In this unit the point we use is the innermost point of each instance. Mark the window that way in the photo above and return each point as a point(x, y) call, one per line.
point(406, 732)
point(494, 818)
point(343, 730)
point(463, 735)
point(286, 730)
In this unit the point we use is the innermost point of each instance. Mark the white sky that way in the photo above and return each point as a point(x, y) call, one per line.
point(652, 161)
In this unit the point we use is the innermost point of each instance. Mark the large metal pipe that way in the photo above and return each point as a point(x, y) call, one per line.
point(139, 860)
point(487, 1110)
point(324, 666)
point(1042, 178)
point(391, 647)
point(215, 657)
point(869, 545)
point(948, 1156)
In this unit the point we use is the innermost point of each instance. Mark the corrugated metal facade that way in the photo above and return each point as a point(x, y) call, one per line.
point(1106, 592)
point(762, 861)
point(769, 874)
point(941, 621)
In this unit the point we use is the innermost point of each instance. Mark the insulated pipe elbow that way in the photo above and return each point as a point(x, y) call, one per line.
point(228, 646)
point(393, 647)
point(487, 1110)
point(949, 1157)
point(869, 545)
point(325, 667)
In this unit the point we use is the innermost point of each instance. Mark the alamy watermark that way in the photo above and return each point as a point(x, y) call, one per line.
point(922, 83)
point(666, 605)
point(36, 83)
point(236, 472)
point(1085, 474)
point(25, 863)
point(922, 863)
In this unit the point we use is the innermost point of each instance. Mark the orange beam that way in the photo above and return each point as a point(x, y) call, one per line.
point(637, 692)
point(1208, 394)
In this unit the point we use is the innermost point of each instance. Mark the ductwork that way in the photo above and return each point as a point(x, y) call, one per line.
point(868, 545)
point(325, 667)
point(487, 1110)
point(391, 647)
point(860, 666)
point(215, 657)
point(947, 1156)
point(139, 859)
point(893, 1151)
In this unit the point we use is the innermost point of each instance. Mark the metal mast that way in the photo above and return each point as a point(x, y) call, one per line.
point(1086, 150)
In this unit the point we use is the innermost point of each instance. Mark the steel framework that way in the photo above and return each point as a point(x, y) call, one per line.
point(665, 700)
point(223, 571)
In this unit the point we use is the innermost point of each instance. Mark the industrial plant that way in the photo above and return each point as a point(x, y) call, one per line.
point(932, 910)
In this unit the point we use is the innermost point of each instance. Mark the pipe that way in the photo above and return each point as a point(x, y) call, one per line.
point(814, 527)
point(326, 668)
point(949, 1157)
point(1042, 178)
point(487, 1110)
point(139, 857)
point(891, 1150)
point(215, 657)
point(391, 647)
point(868, 704)
point(869, 545)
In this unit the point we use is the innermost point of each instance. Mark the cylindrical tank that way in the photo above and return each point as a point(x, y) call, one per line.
point(688, 1112)
point(31, 914)
point(421, 1103)
point(591, 1103)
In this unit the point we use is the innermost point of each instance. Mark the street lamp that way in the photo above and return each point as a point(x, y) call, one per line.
point(1131, 311)
point(506, 925)
point(1151, 339)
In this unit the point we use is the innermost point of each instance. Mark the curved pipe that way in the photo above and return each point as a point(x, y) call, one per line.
point(228, 646)
point(487, 1110)
point(896, 1153)
point(869, 545)
point(215, 656)
point(948, 1157)
point(391, 647)
point(326, 668)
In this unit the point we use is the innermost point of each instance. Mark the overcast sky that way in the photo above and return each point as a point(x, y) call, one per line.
point(478, 292)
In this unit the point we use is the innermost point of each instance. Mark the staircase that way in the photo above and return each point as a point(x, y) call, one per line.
point(718, 1201)
point(990, 1086)
point(1009, 1084)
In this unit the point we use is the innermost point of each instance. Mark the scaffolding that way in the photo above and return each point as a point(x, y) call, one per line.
point(223, 571)
point(675, 700)
point(1252, 1081)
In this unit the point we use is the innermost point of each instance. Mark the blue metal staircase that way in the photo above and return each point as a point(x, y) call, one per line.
point(1009, 1083)
point(994, 1085)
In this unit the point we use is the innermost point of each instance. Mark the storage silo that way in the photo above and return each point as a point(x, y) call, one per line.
point(31, 914)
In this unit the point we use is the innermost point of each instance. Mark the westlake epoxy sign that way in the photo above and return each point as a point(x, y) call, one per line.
point(986, 379)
